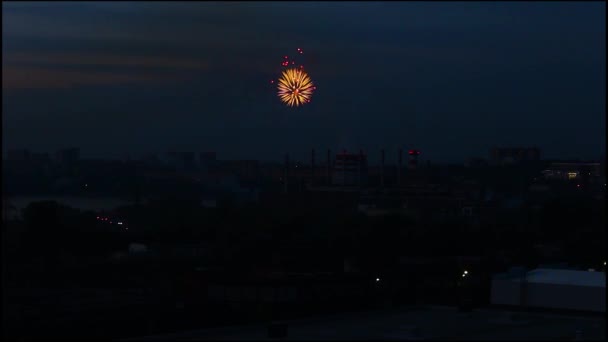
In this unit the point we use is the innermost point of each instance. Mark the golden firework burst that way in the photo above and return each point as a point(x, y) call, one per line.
point(295, 87)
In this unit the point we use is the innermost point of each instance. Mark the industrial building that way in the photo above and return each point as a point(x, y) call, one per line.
point(551, 289)
point(514, 155)
point(572, 171)
point(68, 156)
point(350, 169)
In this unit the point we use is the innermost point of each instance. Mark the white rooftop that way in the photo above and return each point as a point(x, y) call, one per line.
point(565, 277)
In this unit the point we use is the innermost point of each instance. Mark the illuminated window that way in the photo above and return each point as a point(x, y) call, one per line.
point(572, 175)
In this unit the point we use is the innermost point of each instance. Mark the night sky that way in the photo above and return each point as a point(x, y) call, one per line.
point(452, 79)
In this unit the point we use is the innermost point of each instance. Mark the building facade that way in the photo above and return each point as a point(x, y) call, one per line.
point(573, 171)
point(514, 155)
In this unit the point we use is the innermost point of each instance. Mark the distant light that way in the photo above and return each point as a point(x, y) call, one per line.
point(466, 272)
point(110, 222)
point(127, 228)
point(120, 223)
point(578, 185)
point(86, 185)
point(604, 263)
point(377, 279)
point(98, 217)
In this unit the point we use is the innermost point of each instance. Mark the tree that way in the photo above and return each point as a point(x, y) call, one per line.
point(52, 229)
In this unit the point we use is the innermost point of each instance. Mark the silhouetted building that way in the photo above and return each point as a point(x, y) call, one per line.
point(68, 156)
point(151, 160)
point(9, 210)
point(413, 162)
point(476, 162)
point(574, 171)
point(514, 155)
point(272, 171)
point(207, 160)
point(68, 160)
point(350, 169)
point(18, 155)
point(248, 170)
point(182, 161)
point(40, 157)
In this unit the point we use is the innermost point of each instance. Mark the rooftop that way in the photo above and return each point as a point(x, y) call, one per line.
point(418, 324)
point(562, 277)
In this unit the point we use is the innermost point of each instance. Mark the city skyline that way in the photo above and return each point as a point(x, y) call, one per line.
point(452, 80)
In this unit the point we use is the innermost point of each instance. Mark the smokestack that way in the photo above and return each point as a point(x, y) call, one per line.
point(328, 166)
point(344, 167)
point(312, 164)
point(285, 182)
point(136, 187)
point(382, 170)
point(413, 163)
point(360, 168)
point(399, 166)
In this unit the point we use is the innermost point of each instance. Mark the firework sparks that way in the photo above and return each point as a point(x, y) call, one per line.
point(295, 87)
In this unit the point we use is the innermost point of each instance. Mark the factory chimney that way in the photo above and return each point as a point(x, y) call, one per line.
point(360, 168)
point(286, 173)
point(344, 168)
point(413, 163)
point(312, 165)
point(399, 166)
point(328, 166)
point(382, 170)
